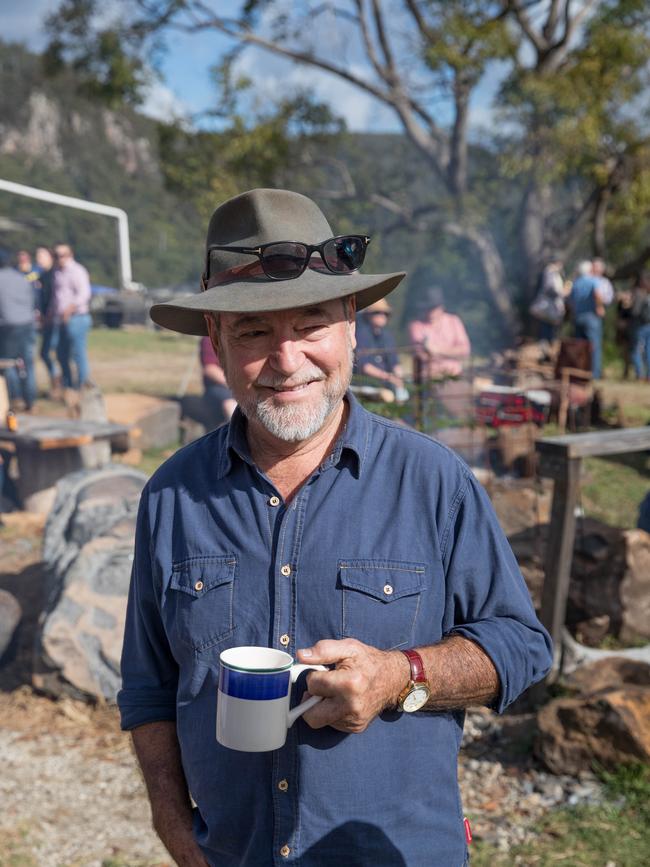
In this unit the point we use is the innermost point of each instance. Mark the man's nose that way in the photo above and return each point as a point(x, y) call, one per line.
point(286, 356)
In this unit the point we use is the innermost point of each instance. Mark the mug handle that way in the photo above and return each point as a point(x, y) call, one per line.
point(300, 709)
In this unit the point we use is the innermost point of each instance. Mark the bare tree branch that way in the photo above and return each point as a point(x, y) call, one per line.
point(524, 22)
point(367, 40)
point(383, 39)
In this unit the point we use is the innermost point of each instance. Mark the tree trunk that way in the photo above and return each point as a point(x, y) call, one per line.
point(494, 272)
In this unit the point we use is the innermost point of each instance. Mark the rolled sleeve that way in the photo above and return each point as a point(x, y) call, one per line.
point(149, 671)
point(487, 599)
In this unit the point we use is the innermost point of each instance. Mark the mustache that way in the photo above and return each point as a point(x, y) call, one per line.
point(313, 375)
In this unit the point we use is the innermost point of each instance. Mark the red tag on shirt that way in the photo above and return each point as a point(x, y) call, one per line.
point(468, 830)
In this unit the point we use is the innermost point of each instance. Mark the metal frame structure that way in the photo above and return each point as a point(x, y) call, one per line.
point(124, 249)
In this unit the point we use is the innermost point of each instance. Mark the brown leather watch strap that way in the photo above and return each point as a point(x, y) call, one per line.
point(418, 674)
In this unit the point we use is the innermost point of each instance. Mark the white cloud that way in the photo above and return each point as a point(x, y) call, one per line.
point(161, 103)
point(274, 77)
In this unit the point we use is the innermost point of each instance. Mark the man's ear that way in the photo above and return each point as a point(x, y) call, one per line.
point(213, 331)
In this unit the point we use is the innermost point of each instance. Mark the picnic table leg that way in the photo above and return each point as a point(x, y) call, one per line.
point(559, 555)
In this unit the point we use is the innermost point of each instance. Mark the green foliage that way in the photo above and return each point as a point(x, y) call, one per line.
point(106, 66)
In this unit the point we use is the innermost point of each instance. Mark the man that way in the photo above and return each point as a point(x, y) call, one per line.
point(310, 525)
point(49, 327)
point(17, 331)
point(376, 355)
point(588, 312)
point(604, 284)
point(440, 337)
point(548, 306)
point(71, 299)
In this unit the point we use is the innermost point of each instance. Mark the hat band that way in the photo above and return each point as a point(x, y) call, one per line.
point(251, 271)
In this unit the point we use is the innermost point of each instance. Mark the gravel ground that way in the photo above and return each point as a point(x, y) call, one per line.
point(73, 797)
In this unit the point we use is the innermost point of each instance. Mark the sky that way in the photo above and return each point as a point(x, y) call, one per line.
point(186, 89)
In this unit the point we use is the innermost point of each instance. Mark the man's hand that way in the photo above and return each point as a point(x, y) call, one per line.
point(364, 683)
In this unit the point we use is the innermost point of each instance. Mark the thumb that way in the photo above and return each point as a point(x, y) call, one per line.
point(327, 652)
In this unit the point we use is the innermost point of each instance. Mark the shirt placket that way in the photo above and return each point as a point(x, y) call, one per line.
point(288, 538)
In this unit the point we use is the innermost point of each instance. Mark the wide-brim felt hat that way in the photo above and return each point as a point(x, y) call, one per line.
point(251, 219)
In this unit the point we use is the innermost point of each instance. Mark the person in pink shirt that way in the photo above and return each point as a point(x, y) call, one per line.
point(71, 311)
point(439, 338)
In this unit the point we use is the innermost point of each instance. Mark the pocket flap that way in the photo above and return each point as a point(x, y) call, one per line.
point(197, 577)
point(387, 580)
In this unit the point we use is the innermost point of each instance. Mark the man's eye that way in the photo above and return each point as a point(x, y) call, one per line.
point(252, 334)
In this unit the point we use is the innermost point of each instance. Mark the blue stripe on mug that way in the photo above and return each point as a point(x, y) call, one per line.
point(256, 687)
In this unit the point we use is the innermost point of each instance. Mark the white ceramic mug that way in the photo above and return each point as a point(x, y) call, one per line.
point(253, 712)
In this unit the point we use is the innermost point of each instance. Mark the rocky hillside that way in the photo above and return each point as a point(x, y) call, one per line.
point(50, 137)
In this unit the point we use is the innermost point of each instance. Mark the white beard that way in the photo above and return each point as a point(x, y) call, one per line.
point(298, 422)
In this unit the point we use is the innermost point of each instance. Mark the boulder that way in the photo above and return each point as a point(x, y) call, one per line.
point(10, 615)
point(609, 673)
point(610, 727)
point(88, 551)
point(154, 422)
point(635, 587)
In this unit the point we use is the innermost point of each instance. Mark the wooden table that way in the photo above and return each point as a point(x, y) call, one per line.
point(48, 448)
point(560, 459)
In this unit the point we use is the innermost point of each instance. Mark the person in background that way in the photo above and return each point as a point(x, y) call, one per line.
point(17, 331)
point(548, 306)
point(641, 328)
point(588, 311)
point(71, 313)
point(440, 338)
point(48, 325)
point(376, 352)
point(31, 272)
point(217, 398)
point(603, 283)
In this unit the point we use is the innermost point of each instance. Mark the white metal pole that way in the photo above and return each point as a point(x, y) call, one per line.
point(124, 250)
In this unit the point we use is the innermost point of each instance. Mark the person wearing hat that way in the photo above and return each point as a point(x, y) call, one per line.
point(376, 353)
point(309, 525)
point(440, 338)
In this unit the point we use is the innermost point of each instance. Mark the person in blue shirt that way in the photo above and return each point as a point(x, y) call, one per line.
point(376, 359)
point(310, 525)
point(588, 311)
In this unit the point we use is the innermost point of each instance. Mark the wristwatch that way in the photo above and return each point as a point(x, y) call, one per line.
point(416, 693)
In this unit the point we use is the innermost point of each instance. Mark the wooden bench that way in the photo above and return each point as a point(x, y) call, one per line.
point(47, 449)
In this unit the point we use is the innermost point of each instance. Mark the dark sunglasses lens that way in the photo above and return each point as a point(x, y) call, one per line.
point(345, 254)
point(284, 261)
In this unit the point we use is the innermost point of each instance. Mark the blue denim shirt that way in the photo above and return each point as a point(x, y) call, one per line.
point(388, 506)
point(582, 298)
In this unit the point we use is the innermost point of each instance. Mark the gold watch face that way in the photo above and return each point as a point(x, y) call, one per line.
point(416, 699)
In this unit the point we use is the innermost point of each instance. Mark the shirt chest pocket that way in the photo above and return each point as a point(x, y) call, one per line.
point(380, 600)
point(200, 601)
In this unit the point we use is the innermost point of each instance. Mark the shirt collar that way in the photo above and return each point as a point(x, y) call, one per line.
point(353, 440)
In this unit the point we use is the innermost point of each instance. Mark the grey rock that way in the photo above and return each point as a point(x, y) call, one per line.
point(10, 616)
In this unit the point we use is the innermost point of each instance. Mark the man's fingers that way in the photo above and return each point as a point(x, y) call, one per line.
point(333, 683)
point(329, 651)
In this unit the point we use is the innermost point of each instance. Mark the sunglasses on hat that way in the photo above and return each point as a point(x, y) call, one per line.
point(286, 260)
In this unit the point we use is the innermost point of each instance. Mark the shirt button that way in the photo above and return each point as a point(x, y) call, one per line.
point(274, 501)
point(283, 785)
point(388, 590)
point(285, 851)
point(285, 640)
point(286, 570)
point(198, 586)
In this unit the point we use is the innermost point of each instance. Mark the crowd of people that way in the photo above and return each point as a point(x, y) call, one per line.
point(584, 302)
point(46, 295)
